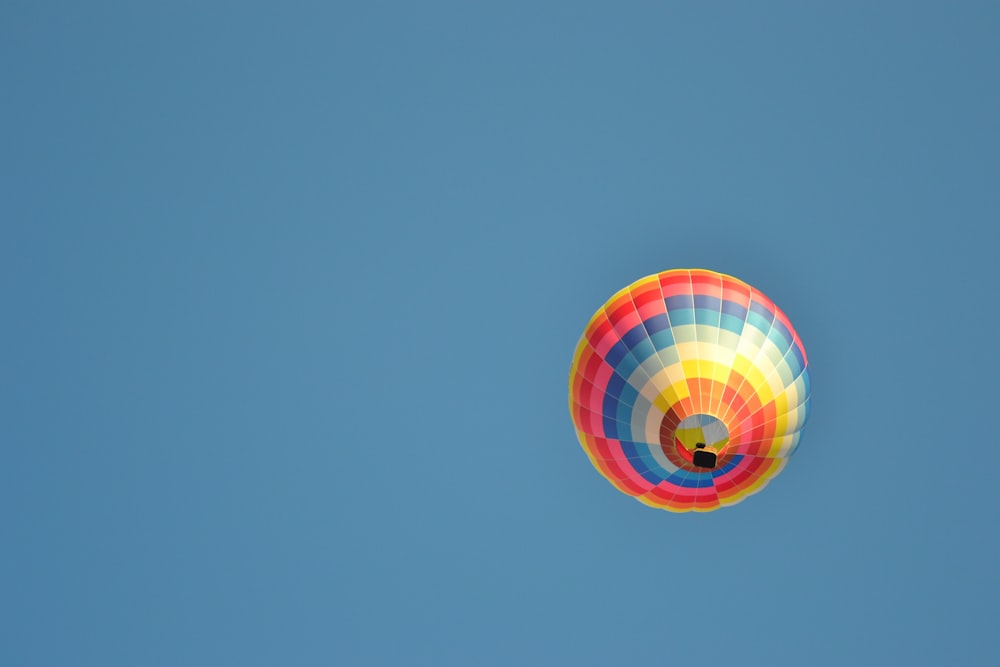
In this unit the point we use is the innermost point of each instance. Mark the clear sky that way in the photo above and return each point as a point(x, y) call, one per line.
point(290, 293)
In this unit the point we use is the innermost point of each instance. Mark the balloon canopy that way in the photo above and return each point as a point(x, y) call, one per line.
point(689, 389)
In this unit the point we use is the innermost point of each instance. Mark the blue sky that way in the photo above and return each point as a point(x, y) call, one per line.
point(291, 291)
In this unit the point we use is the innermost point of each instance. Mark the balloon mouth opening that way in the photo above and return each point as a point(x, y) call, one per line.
point(701, 440)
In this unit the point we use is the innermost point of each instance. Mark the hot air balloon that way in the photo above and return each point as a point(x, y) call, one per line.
point(689, 390)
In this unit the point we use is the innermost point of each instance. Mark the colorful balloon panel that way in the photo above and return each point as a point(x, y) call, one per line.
point(689, 389)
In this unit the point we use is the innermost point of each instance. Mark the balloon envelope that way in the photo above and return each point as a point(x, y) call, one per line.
point(689, 389)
